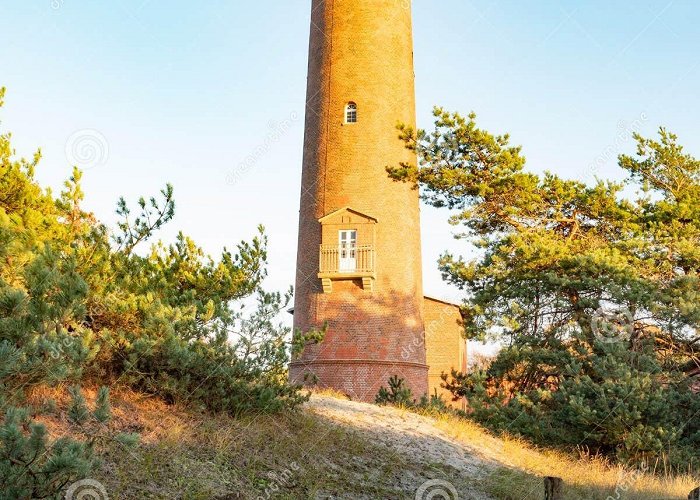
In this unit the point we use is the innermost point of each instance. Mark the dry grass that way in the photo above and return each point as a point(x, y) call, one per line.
point(195, 455)
point(521, 467)
point(188, 454)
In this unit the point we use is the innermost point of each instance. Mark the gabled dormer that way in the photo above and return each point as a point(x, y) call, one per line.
point(347, 248)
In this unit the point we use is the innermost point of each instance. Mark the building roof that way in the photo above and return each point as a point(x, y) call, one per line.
point(448, 302)
point(346, 209)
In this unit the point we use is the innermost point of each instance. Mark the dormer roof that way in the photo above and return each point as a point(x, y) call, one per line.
point(335, 213)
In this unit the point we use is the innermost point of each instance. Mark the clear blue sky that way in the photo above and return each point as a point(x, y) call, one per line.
point(184, 92)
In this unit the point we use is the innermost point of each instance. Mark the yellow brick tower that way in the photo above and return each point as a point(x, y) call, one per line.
point(359, 255)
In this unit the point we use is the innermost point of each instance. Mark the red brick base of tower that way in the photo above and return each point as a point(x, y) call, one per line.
point(369, 337)
point(360, 379)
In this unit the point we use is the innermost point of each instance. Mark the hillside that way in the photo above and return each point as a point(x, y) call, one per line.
point(333, 448)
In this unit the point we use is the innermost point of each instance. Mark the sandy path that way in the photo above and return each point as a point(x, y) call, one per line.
point(413, 436)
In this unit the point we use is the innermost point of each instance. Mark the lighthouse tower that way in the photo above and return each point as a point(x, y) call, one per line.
point(359, 254)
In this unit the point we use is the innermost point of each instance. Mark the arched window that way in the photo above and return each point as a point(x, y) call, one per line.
point(351, 113)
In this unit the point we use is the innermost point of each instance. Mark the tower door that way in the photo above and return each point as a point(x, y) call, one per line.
point(347, 251)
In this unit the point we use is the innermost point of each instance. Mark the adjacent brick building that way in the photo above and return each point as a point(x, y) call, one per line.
point(446, 348)
point(359, 253)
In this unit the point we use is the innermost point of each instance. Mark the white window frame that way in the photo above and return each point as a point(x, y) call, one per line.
point(351, 113)
point(347, 250)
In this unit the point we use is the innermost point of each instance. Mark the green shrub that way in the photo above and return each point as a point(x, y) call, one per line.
point(605, 398)
point(78, 412)
point(434, 403)
point(103, 410)
point(397, 393)
point(32, 466)
point(78, 303)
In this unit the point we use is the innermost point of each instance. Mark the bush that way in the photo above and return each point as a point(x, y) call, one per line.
point(78, 303)
point(604, 398)
point(31, 466)
point(398, 394)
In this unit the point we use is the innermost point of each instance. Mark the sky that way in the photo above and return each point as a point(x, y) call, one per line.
point(209, 96)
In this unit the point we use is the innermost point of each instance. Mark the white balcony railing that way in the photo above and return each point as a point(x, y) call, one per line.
point(354, 260)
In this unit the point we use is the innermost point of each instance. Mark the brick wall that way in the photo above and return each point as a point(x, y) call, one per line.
point(445, 344)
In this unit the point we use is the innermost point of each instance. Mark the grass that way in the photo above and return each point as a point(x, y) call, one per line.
point(195, 455)
point(520, 468)
point(191, 454)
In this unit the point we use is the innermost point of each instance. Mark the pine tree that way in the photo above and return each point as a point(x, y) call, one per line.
point(398, 393)
point(103, 409)
point(30, 466)
point(78, 412)
point(594, 293)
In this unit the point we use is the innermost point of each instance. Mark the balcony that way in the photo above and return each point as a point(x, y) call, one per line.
point(339, 262)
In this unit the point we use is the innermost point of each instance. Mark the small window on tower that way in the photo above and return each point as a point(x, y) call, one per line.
point(351, 113)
